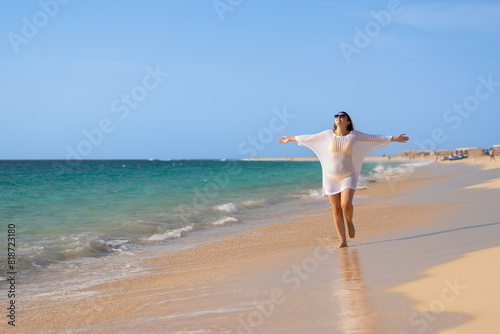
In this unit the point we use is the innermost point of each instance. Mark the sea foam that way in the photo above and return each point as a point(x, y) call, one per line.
point(173, 234)
point(224, 221)
point(252, 203)
point(226, 207)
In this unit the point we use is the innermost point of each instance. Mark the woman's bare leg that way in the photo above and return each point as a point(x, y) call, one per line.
point(346, 197)
point(338, 218)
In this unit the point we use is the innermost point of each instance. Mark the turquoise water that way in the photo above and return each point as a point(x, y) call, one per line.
point(70, 210)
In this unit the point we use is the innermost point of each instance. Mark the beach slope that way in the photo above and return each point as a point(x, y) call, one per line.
point(290, 278)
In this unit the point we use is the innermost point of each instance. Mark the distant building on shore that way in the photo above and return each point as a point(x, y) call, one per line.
point(476, 151)
point(497, 149)
point(424, 153)
point(444, 153)
point(462, 150)
point(416, 153)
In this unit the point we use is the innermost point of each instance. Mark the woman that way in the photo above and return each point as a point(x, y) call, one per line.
point(341, 152)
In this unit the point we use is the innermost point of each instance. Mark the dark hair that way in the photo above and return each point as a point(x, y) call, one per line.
point(350, 127)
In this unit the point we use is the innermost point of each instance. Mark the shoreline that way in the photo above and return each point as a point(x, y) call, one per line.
point(225, 285)
point(368, 159)
point(228, 222)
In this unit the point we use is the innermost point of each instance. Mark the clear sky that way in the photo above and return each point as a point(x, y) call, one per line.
point(169, 79)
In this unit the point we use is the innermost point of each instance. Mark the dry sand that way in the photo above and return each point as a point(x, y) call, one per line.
point(289, 278)
point(467, 286)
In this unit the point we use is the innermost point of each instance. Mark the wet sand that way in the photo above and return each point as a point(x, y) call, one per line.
point(290, 278)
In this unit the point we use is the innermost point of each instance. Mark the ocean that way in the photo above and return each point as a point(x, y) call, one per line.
point(71, 215)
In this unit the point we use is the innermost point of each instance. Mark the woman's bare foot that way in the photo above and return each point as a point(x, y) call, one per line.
point(352, 231)
point(342, 245)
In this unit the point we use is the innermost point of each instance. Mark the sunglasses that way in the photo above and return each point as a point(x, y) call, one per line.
point(340, 115)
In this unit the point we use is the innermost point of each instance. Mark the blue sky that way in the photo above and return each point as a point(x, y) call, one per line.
point(226, 78)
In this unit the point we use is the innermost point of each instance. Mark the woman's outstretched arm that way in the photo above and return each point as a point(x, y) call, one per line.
point(402, 138)
point(286, 139)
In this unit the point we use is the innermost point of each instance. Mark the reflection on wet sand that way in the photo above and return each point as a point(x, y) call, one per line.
point(352, 294)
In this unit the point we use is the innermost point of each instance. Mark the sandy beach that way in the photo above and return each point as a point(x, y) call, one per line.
point(423, 261)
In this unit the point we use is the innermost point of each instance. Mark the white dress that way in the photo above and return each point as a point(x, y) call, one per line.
point(341, 157)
